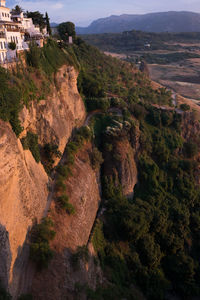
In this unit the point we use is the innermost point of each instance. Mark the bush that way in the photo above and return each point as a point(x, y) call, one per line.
point(40, 251)
point(96, 158)
point(64, 171)
point(184, 107)
point(64, 204)
point(31, 142)
point(50, 152)
point(12, 46)
point(190, 149)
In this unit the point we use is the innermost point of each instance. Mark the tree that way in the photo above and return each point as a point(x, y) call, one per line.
point(66, 29)
point(12, 46)
point(37, 17)
point(48, 24)
point(17, 10)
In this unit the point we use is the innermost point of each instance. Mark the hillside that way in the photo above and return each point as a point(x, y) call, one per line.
point(112, 165)
point(171, 21)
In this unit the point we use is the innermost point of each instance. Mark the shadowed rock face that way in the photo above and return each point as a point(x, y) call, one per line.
point(53, 119)
point(23, 190)
point(5, 256)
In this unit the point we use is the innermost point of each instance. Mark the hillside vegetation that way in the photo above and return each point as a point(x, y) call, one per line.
point(134, 40)
point(147, 244)
point(151, 240)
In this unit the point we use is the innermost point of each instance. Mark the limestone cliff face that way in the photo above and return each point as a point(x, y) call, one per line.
point(54, 118)
point(23, 190)
point(23, 182)
point(58, 282)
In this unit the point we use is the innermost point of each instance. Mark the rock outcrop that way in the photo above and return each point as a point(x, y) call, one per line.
point(59, 281)
point(120, 164)
point(54, 118)
point(23, 190)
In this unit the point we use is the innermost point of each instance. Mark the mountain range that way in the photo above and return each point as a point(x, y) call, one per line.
point(171, 21)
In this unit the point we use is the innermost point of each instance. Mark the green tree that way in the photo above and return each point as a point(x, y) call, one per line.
point(48, 24)
point(66, 29)
point(17, 10)
point(37, 17)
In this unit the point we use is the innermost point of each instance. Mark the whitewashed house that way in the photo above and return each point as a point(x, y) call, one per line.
point(17, 29)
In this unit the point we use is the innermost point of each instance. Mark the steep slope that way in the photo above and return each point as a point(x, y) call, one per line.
point(171, 21)
point(72, 231)
point(23, 189)
point(54, 118)
point(24, 182)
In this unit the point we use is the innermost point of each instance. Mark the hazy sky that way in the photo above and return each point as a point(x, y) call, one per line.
point(82, 12)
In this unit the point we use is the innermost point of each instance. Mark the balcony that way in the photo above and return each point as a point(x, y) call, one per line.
point(2, 35)
point(13, 29)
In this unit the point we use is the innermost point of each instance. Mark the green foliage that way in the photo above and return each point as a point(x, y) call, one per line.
point(96, 158)
point(17, 10)
point(47, 23)
point(44, 58)
point(40, 251)
point(184, 107)
point(31, 142)
point(33, 55)
point(66, 29)
point(190, 149)
point(37, 17)
point(49, 153)
point(12, 46)
point(10, 104)
point(151, 241)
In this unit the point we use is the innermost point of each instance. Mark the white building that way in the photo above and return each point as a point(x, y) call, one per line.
point(16, 29)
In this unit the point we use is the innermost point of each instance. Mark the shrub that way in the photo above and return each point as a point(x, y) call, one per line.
point(184, 107)
point(190, 149)
point(40, 251)
point(59, 185)
point(31, 142)
point(64, 204)
point(50, 152)
point(63, 201)
point(12, 46)
point(64, 171)
point(96, 158)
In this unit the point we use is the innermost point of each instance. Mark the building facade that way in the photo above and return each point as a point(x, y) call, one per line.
point(16, 30)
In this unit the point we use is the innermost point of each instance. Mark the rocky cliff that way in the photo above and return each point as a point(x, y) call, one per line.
point(61, 279)
point(23, 190)
point(54, 118)
point(23, 182)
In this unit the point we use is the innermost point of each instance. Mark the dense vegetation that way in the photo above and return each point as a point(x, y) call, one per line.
point(19, 87)
point(31, 142)
point(129, 41)
point(151, 241)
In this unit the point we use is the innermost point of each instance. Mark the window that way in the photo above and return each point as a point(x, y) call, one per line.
point(3, 14)
point(5, 45)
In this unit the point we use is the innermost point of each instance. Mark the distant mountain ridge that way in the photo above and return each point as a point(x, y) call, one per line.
point(171, 21)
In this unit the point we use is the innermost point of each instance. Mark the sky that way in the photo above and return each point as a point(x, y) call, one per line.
point(83, 12)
